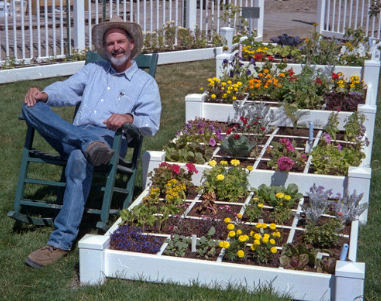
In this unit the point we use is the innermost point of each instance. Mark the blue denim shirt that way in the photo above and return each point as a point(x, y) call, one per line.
point(103, 92)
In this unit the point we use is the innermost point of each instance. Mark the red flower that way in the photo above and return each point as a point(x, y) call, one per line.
point(258, 57)
point(339, 213)
point(291, 72)
point(270, 58)
point(263, 128)
point(236, 136)
point(228, 131)
point(318, 81)
point(335, 75)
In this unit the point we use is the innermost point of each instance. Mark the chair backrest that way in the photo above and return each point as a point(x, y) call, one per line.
point(147, 62)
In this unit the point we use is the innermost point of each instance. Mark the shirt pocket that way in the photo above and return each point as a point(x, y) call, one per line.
point(122, 104)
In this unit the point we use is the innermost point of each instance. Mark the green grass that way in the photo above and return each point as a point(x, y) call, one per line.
point(60, 281)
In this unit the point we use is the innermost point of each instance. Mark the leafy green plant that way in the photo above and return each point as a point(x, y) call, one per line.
point(206, 246)
point(323, 236)
point(177, 245)
point(237, 145)
point(332, 126)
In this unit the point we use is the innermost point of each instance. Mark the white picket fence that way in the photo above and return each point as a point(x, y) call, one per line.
point(336, 16)
point(42, 29)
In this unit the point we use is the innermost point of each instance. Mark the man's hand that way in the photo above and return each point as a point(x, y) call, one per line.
point(116, 121)
point(33, 95)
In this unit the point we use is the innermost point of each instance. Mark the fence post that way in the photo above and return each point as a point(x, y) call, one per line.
point(79, 25)
point(320, 16)
point(191, 14)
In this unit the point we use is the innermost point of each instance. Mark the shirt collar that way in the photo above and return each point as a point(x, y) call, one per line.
point(129, 73)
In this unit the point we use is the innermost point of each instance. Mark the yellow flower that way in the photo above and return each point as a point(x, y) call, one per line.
point(243, 238)
point(226, 245)
point(213, 163)
point(239, 232)
point(280, 195)
point(224, 162)
point(230, 226)
point(272, 241)
point(221, 244)
point(240, 253)
point(239, 215)
point(220, 177)
point(227, 220)
point(252, 233)
point(273, 250)
point(253, 247)
point(272, 226)
point(255, 199)
point(265, 240)
point(287, 197)
point(257, 242)
point(231, 234)
point(234, 162)
point(258, 225)
point(264, 226)
point(213, 96)
point(250, 168)
point(257, 236)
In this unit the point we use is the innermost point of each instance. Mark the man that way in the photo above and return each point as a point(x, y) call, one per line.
point(111, 94)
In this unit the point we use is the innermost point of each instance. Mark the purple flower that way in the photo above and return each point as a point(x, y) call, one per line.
point(339, 147)
point(285, 163)
point(218, 134)
point(212, 142)
point(327, 138)
point(252, 61)
point(201, 131)
point(189, 126)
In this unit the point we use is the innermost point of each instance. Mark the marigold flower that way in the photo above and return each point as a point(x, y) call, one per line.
point(257, 236)
point(226, 245)
point(223, 162)
point(230, 226)
point(220, 177)
point(280, 195)
point(252, 233)
point(287, 197)
point(272, 241)
point(253, 247)
point(273, 250)
point(213, 96)
point(231, 233)
point(234, 162)
point(221, 244)
point(227, 220)
point(258, 225)
point(264, 226)
point(239, 232)
point(265, 240)
point(240, 253)
point(250, 167)
point(213, 163)
point(257, 242)
point(272, 226)
point(260, 205)
point(255, 199)
point(239, 215)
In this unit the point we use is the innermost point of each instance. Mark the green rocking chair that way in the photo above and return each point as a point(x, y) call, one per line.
point(120, 174)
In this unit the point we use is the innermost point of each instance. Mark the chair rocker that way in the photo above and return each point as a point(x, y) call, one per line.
point(28, 210)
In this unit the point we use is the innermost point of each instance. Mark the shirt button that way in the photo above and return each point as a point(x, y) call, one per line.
point(102, 100)
point(108, 88)
point(95, 111)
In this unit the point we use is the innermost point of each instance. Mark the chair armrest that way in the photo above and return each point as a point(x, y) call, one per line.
point(131, 130)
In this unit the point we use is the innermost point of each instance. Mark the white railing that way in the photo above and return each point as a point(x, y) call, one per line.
point(336, 16)
point(45, 29)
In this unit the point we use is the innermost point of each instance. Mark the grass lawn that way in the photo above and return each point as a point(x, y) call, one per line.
point(60, 281)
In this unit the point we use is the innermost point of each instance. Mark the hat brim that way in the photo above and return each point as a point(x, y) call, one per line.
point(132, 28)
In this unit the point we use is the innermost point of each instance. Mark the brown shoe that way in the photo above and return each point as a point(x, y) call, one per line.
point(45, 256)
point(99, 153)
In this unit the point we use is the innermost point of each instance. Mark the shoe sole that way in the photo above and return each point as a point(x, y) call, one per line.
point(100, 154)
point(33, 264)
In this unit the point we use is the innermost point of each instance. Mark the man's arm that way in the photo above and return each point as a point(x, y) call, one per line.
point(116, 121)
point(33, 95)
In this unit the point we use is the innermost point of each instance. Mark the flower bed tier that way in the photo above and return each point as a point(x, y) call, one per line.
point(196, 107)
point(98, 261)
point(369, 73)
point(304, 173)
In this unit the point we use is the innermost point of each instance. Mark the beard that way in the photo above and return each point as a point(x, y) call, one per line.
point(118, 61)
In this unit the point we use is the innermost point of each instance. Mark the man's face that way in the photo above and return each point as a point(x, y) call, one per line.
point(117, 46)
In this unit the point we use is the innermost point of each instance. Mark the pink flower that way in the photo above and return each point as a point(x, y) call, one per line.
point(327, 138)
point(176, 168)
point(285, 163)
point(212, 142)
point(339, 213)
point(339, 147)
point(191, 168)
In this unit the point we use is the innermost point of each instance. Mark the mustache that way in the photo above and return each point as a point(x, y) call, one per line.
point(118, 52)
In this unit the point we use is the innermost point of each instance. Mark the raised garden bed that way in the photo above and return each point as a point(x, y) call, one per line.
point(98, 261)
